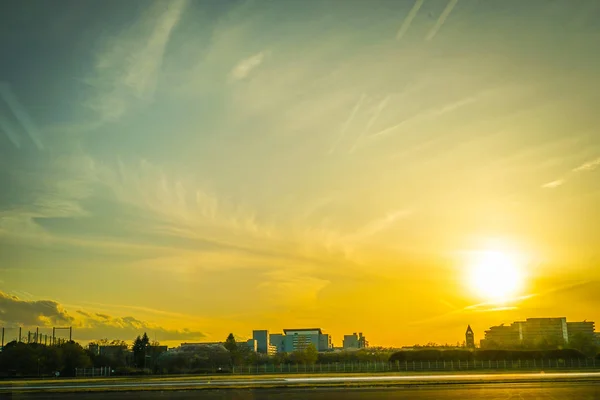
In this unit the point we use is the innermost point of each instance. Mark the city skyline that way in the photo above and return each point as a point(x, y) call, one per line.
point(399, 168)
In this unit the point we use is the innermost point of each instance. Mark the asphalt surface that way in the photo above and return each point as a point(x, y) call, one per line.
point(493, 391)
point(574, 378)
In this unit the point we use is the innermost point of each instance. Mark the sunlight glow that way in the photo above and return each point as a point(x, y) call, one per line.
point(495, 276)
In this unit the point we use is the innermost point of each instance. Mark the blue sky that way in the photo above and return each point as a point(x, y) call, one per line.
point(218, 166)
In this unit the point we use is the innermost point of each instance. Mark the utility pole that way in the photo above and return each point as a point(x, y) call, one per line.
point(19, 335)
point(2, 338)
point(37, 335)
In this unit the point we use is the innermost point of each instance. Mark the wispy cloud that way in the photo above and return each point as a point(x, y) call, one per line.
point(128, 70)
point(408, 20)
point(10, 131)
point(244, 67)
point(588, 166)
point(376, 113)
point(21, 115)
point(441, 20)
point(293, 286)
point(583, 168)
point(379, 224)
point(348, 122)
point(553, 184)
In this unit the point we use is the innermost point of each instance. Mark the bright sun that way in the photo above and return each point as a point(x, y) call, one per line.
point(495, 276)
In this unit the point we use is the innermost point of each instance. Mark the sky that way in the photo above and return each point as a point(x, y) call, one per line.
point(194, 168)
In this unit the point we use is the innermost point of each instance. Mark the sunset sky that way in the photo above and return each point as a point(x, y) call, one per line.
point(196, 168)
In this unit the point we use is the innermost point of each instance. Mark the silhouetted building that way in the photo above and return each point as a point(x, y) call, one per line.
point(118, 354)
point(502, 336)
point(470, 337)
point(584, 329)
point(197, 345)
point(262, 340)
point(552, 331)
point(94, 349)
point(355, 341)
point(276, 340)
point(298, 339)
point(201, 344)
point(536, 332)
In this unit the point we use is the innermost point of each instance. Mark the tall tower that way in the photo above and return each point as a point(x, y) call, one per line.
point(470, 338)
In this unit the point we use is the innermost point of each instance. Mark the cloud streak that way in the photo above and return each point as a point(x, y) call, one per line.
point(588, 166)
point(244, 67)
point(441, 20)
point(553, 184)
point(408, 20)
point(583, 168)
point(128, 70)
point(21, 115)
point(348, 122)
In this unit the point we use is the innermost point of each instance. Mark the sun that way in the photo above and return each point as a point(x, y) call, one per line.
point(495, 276)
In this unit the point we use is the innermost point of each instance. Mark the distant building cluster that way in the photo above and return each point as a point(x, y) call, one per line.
point(122, 352)
point(354, 341)
point(291, 340)
point(538, 331)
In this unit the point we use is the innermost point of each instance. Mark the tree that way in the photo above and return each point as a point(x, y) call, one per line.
point(307, 355)
point(311, 354)
point(230, 343)
point(140, 348)
point(584, 343)
point(74, 356)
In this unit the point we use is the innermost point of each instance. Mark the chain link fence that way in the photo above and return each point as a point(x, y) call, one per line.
point(420, 366)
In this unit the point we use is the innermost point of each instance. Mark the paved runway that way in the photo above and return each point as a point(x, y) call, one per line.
point(495, 391)
point(317, 381)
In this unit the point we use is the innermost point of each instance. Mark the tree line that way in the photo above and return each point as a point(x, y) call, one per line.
point(147, 357)
point(486, 355)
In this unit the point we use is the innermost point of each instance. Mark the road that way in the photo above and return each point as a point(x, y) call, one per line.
point(575, 379)
point(492, 391)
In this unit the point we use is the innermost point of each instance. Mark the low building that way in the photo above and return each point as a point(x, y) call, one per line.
point(537, 332)
point(94, 349)
point(355, 341)
point(502, 336)
point(276, 341)
point(551, 330)
point(298, 339)
point(262, 340)
point(583, 329)
point(200, 344)
point(118, 354)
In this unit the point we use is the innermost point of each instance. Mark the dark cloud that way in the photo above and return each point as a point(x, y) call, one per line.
point(127, 328)
point(87, 326)
point(14, 311)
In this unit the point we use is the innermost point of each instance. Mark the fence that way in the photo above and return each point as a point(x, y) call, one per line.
point(102, 371)
point(418, 366)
